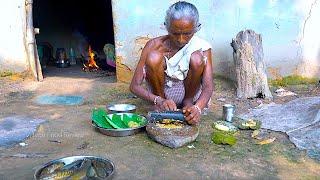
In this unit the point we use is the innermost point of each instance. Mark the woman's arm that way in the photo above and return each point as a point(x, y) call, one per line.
point(135, 85)
point(207, 81)
point(193, 113)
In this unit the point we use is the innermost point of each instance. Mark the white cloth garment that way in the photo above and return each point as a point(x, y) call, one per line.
point(178, 65)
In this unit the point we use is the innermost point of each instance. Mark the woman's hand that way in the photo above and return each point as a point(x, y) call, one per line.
point(167, 105)
point(192, 114)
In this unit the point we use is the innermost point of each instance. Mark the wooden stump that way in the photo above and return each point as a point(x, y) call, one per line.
point(250, 67)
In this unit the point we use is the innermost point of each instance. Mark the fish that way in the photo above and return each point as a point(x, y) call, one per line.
point(73, 165)
point(82, 172)
point(51, 168)
point(91, 172)
point(57, 175)
point(100, 168)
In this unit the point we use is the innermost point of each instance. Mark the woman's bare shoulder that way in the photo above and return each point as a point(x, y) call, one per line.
point(156, 42)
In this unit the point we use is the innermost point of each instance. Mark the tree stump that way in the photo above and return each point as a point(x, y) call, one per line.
point(250, 67)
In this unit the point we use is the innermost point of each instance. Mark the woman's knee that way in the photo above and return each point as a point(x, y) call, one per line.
point(197, 60)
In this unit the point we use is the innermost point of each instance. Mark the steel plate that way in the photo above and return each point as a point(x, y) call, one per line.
point(121, 132)
point(110, 168)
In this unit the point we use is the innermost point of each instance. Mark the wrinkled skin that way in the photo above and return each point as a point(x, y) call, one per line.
point(152, 58)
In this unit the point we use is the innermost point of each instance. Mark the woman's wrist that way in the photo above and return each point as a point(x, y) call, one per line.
point(198, 108)
point(158, 100)
point(155, 100)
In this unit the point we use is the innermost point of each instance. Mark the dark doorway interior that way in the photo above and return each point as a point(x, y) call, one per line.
point(73, 24)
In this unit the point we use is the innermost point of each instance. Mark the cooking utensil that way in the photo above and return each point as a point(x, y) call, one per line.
point(121, 132)
point(107, 164)
point(228, 112)
point(159, 116)
point(62, 63)
point(121, 108)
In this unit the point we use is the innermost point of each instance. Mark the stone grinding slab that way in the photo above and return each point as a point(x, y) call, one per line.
point(173, 137)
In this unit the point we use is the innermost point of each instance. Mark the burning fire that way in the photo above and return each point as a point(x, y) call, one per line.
point(92, 65)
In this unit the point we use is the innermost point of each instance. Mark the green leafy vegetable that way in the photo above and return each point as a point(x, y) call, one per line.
point(111, 122)
point(98, 118)
point(126, 119)
point(117, 120)
point(133, 121)
point(139, 120)
point(223, 137)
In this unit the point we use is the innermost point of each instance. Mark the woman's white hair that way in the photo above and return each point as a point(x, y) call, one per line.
point(182, 9)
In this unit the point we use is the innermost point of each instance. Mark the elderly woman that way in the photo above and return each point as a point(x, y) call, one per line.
point(177, 67)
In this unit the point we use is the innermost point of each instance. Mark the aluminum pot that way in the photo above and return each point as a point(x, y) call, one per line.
point(61, 54)
point(62, 63)
point(61, 58)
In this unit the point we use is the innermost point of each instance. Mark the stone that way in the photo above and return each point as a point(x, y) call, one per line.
point(15, 130)
point(173, 137)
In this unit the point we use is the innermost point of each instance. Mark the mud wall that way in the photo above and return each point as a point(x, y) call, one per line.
point(289, 32)
point(13, 55)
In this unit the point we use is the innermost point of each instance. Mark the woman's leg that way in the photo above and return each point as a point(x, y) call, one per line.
point(193, 79)
point(155, 65)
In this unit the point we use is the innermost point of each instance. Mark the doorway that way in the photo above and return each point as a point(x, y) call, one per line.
point(70, 27)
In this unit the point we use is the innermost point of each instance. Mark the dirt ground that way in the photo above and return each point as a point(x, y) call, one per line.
point(69, 132)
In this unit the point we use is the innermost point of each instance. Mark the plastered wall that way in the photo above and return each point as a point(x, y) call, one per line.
point(289, 30)
point(13, 55)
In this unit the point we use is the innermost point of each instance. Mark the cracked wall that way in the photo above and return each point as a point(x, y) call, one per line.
point(289, 32)
point(310, 41)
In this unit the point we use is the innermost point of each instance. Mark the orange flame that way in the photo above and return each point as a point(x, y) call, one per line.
point(92, 63)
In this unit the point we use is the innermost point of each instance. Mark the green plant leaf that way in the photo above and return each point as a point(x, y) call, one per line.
point(116, 119)
point(111, 122)
point(135, 118)
point(98, 118)
point(139, 120)
point(223, 137)
point(126, 119)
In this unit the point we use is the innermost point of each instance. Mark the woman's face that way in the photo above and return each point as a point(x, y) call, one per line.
point(181, 31)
